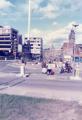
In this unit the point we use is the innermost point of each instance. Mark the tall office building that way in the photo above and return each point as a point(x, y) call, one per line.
point(36, 47)
point(8, 40)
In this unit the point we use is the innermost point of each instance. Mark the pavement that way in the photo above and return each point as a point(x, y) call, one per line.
point(28, 108)
point(57, 86)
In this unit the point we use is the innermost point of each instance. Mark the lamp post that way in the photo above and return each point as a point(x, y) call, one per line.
point(22, 67)
point(29, 18)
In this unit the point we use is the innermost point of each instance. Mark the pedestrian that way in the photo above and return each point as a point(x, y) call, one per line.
point(44, 67)
point(49, 68)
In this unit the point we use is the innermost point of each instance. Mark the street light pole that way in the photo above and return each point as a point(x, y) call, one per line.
point(22, 67)
point(29, 18)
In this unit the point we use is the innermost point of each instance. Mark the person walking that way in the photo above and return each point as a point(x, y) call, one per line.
point(49, 68)
point(44, 67)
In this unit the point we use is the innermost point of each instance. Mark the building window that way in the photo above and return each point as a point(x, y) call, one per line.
point(5, 42)
point(32, 41)
point(5, 35)
point(38, 41)
point(2, 38)
point(7, 38)
point(31, 44)
point(34, 38)
point(31, 47)
point(39, 45)
point(37, 48)
point(5, 46)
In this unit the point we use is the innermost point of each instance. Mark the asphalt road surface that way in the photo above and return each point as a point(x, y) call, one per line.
point(37, 84)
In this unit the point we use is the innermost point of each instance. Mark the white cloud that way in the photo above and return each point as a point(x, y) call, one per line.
point(59, 35)
point(5, 4)
point(35, 4)
point(49, 11)
point(3, 14)
point(54, 23)
point(49, 36)
point(55, 8)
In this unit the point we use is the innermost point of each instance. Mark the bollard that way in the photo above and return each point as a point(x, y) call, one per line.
point(5, 59)
point(76, 74)
point(22, 70)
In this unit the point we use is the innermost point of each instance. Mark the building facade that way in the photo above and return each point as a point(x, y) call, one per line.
point(26, 50)
point(72, 49)
point(51, 54)
point(67, 49)
point(8, 40)
point(78, 52)
point(36, 47)
point(20, 39)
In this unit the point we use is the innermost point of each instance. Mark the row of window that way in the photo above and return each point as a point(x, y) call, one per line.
point(35, 41)
point(8, 43)
point(36, 44)
point(34, 48)
point(5, 46)
point(7, 38)
point(5, 42)
point(4, 34)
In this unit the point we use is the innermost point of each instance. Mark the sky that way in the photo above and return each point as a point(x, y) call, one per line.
point(50, 19)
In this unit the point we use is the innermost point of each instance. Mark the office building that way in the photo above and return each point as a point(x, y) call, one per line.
point(8, 40)
point(26, 50)
point(51, 54)
point(36, 47)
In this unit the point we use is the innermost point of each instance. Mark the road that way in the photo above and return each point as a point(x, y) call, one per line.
point(37, 84)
